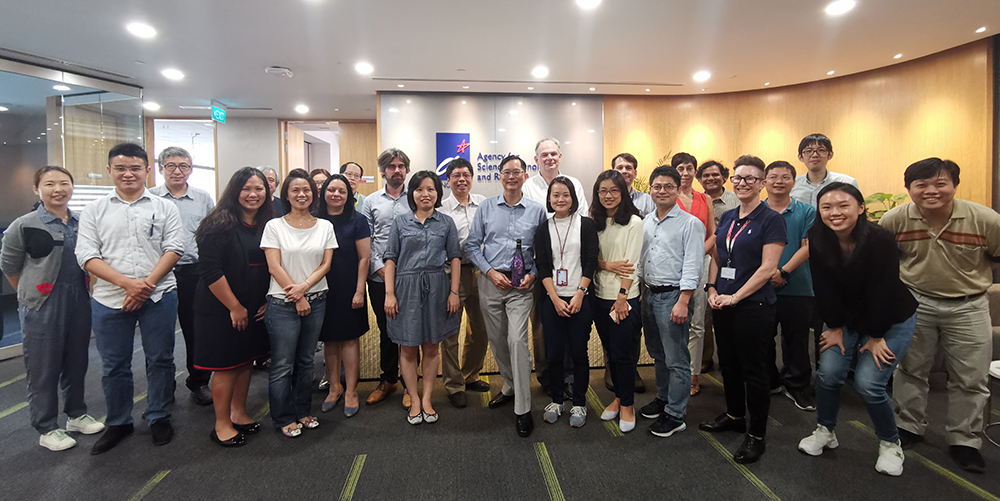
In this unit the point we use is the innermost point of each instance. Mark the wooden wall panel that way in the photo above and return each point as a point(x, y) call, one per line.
point(880, 122)
point(358, 143)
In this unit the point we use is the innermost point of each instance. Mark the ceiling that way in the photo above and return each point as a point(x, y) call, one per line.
point(619, 47)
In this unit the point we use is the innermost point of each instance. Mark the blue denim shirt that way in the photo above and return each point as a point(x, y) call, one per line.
point(381, 210)
point(427, 246)
point(496, 229)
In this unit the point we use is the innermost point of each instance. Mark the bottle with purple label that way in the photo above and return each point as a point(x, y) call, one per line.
point(517, 266)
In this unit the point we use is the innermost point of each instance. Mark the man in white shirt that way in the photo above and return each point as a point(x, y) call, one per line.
point(193, 204)
point(458, 377)
point(815, 151)
point(130, 240)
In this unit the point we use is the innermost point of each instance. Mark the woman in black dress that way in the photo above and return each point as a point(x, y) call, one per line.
point(233, 286)
point(346, 308)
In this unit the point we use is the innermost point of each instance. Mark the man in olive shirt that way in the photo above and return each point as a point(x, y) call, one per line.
point(947, 248)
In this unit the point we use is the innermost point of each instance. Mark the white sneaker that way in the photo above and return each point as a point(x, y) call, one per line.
point(56, 440)
point(552, 412)
point(820, 439)
point(85, 424)
point(577, 416)
point(890, 458)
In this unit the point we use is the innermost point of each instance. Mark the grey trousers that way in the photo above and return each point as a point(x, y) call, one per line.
point(457, 372)
point(962, 330)
point(56, 344)
point(506, 316)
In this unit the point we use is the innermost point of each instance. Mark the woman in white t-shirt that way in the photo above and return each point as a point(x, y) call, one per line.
point(299, 249)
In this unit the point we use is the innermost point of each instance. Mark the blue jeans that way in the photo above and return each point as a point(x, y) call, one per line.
point(667, 343)
point(869, 381)
point(114, 331)
point(293, 348)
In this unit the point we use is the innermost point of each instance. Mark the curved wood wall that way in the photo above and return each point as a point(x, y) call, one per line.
point(880, 122)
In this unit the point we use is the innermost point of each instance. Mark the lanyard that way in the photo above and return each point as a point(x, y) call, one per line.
point(731, 240)
point(562, 243)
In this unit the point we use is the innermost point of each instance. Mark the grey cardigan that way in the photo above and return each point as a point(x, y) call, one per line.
point(31, 251)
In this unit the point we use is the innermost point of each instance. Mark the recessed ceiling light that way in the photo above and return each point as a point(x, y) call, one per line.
point(151, 106)
point(588, 4)
point(61, 88)
point(897, 56)
point(302, 109)
point(647, 90)
point(830, 72)
point(766, 84)
point(363, 68)
point(4, 108)
point(519, 103)
point(701, 76)
point(407, 101)
point(590, 131)
point(465, 86)
point(574, 104)
point(172, 74)
point(336, 109)
point(592, 89)
point(399, 85)
point(141, 30)
point(540, 72)
point(393, 110)
point(531, 88)
point(463, 102)
point(981, 29)
point(840, 7)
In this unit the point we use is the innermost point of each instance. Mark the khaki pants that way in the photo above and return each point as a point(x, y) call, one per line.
point(456, 375)
point(506, 316)
point(961, 329)
point(696, 341)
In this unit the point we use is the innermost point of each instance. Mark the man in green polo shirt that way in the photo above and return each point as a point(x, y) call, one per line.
point(947, 248)
point(793, 281)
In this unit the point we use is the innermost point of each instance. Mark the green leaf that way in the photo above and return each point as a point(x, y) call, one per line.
point(900, 197)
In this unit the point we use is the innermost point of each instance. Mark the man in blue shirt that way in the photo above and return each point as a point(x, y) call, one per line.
point(673, 256)
point(794, 310)
point(501, 222)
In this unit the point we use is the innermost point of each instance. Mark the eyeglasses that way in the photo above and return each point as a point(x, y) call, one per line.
point(662, 187)
point(612, 191)
point(352, 175)
point(135, 169)
point(511, 173)
point(173, 167)
point(745, 179)
point(785, 178)
point(461, 175)
point(808, 152)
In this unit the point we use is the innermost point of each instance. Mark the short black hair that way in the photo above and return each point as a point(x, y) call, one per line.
point(683, 158)
point(815, 138)
point(628, 157)
point(712, 163)
point(415, 181)
point(296, 174)
point(128, 150)
point(665, 170)
point(563, 180)
point(458, 163)
point(779, 164)
point(343, 168)
point(928, 168)
point(751, 161)
point(509, 158)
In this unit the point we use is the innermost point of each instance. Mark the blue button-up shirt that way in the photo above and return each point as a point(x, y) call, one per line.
point(193, 205)
point(427, 246)
point(496, 229)
point(380, 209)
point(673, 250)
point(643, 202)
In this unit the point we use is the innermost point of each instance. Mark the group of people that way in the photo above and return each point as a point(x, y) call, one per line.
point(278, 266)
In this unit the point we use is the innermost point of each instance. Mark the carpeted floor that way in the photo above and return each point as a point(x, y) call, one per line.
point(472, 453)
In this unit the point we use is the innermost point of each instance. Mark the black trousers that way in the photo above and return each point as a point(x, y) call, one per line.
point(388, 351)
point(795, 316)
point(742, 335)
point(621, 343)
point(567, 334)
point(187, 283)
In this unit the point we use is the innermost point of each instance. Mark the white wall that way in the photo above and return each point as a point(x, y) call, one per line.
point(332, 139)
point(246, 142)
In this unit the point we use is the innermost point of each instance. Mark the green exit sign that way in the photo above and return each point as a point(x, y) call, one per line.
point(218, 114)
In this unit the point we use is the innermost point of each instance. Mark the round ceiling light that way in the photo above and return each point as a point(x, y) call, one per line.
point(363, 68)
point(151, 106)
point(840, 7)
point(173, 74)
point(141, 30)
point(61, 88)
point(302, 109)
point(540, 72)
point(701, 76)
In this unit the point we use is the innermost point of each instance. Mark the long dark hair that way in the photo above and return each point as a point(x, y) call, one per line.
point(824, 241)
point(625, 208)
point(228, 214)
point(322, 210)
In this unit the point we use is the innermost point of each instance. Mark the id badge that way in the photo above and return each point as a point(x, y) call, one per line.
point(728, 273)
point(562, 277)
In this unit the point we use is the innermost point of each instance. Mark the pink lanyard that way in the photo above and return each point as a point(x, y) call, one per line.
point(562, 243)
point(731, 240)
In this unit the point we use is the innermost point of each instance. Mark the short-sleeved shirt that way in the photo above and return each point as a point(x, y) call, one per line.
point(726, 201)
point(805, 191)
point(762, 226)
point(427, 246)
point(537, 189)
point(952, 263)
point(193, 205)
point(301, 250)
point(698, 209)
point(462, 215)
point(799, 218)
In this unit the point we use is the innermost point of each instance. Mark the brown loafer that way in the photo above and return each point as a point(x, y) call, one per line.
point(383, 390)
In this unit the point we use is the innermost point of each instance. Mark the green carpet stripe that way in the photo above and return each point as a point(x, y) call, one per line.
point(352, 478)
point(262, 412)
point(149, 485)
point(485, 396)
point(742, 469)
point(598, 406)
point(13, 409)
point(936, 468)
point(22, 376)
point(548, 472)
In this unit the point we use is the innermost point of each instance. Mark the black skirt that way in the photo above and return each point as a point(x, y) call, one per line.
point(219, 347)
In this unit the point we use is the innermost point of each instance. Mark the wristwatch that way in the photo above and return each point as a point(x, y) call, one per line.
point(584, 289)
point(784, 274)
point(455, 293)
point(623, 291)
point(709, 285)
